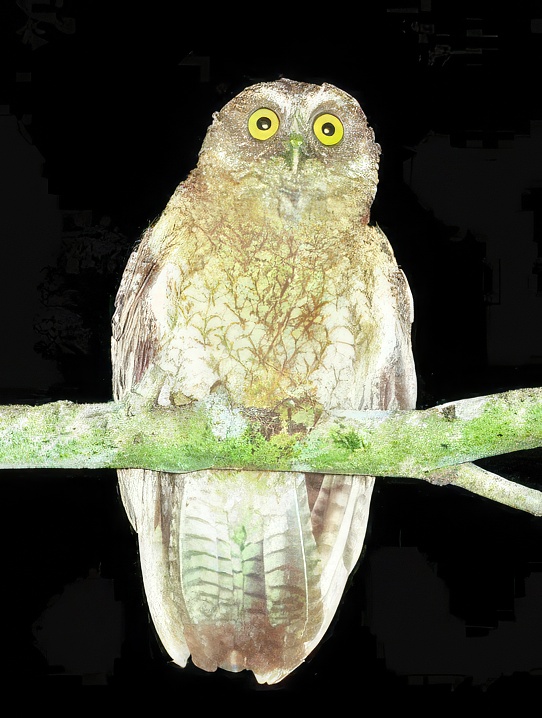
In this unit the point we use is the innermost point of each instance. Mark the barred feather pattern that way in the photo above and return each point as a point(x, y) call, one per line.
point(249, 577)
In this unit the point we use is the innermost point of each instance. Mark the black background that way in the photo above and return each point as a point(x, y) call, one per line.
point(119, 109)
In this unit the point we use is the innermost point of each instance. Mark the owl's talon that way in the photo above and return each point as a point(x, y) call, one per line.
point(136, 403)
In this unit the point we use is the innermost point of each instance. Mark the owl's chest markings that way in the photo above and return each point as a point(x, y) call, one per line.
point(268, 310)
point(257, 318)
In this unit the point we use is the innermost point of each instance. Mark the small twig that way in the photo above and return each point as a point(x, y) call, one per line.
point(492, 486)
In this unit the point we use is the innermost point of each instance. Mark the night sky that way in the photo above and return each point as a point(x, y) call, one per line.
point(107, 110)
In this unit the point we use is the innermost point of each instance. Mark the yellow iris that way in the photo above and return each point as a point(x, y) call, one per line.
point(328, 129)
point(263, 123)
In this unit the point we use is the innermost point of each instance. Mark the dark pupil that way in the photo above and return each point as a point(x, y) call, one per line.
point(328, 129)
point(264, 123)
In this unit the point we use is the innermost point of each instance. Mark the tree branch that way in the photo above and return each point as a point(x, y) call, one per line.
point(435, 444)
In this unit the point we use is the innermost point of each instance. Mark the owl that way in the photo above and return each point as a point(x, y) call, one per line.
point(264, 282)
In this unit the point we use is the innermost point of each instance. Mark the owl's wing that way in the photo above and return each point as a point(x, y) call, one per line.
point(340, 505)
point(399, 372)
point(134, 336)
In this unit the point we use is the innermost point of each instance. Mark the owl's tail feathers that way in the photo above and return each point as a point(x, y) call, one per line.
point(244, 570)
point(148, 497)
point(339, 515)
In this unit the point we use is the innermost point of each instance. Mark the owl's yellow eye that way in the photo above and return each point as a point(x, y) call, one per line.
point(328, 129)
point(263, 123)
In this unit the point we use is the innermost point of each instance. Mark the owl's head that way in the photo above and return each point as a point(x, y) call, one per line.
point(293, 136)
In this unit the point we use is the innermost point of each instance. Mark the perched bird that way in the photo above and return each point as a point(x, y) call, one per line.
point(264, 280)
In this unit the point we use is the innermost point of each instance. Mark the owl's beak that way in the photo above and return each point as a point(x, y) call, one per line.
point(294, 150)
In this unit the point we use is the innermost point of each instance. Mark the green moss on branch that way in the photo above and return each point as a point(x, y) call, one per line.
point(425, 444)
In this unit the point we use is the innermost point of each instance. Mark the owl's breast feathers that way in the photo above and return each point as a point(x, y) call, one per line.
point(265, 277)
point(272, 312)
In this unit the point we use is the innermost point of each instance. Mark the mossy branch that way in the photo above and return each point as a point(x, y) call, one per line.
point(436, 445)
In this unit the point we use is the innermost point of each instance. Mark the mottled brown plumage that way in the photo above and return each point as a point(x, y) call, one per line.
point(262, 280)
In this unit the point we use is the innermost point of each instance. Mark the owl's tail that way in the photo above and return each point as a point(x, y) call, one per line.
point(245, 570)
